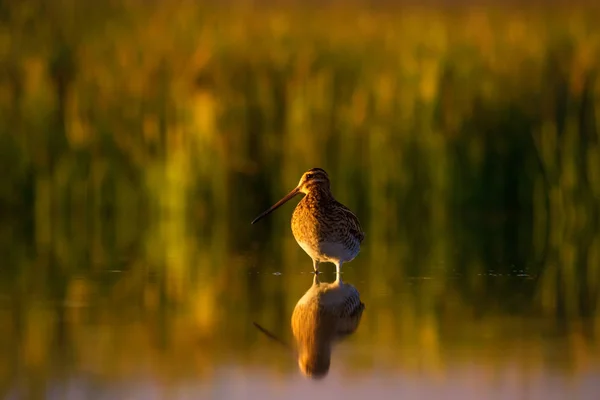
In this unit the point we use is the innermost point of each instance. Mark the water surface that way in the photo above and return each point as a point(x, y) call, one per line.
point(157, 322)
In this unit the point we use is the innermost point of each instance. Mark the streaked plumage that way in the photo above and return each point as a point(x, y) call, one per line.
point(325, 229)
point(326, 313)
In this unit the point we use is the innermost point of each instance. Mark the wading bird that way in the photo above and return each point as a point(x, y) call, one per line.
point(325, 229)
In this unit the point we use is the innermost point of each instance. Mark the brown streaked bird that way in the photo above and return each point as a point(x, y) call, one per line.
point(325, 229)
point(325, 314)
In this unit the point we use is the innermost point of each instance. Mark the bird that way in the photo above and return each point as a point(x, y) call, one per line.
point(324, 315)
point(323, 227)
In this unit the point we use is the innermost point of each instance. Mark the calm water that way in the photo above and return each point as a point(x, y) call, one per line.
point(171, 317)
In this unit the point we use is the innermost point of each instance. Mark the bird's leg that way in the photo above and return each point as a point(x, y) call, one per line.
point(338, 271)
point(316, 266)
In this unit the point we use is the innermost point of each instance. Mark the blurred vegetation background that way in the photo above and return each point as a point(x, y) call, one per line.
point(144, 136)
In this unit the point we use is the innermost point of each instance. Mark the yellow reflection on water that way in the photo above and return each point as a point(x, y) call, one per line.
point(326, 313)
point(174, 320)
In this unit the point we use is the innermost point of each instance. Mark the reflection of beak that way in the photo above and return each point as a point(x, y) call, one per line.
point(272, 336)
point(278, 204)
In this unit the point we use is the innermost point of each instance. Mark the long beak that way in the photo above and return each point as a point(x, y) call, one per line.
point(278, 204)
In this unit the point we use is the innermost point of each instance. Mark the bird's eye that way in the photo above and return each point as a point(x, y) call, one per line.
point(309, 176)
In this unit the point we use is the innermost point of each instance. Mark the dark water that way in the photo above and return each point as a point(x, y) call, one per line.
point(171, 317)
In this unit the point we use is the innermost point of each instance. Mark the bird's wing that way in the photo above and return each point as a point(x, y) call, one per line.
point(354, 224)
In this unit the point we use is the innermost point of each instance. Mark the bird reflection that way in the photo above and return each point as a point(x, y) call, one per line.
point(326, 313)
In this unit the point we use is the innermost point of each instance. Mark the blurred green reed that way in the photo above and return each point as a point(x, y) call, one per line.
point(147, 135)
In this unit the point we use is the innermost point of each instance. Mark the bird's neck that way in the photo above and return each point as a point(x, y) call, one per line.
point(320, 193)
